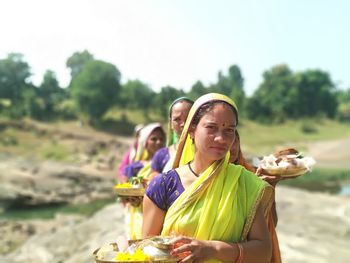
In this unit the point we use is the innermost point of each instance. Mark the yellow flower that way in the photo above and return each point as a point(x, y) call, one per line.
point(123, 185)
point(138, 255)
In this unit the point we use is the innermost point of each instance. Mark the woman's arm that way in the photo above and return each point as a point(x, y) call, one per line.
point(153, 218)
point(153, 174)
point(256, 249)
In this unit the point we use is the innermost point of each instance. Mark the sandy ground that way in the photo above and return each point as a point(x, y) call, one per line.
point(332, 153)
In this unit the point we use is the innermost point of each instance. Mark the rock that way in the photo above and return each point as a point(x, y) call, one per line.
point(312, 227)
point(74, 242)
point(24, 184)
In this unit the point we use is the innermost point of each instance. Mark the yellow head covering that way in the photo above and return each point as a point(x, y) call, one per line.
point(185, 151)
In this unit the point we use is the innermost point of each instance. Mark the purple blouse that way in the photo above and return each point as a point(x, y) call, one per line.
point(160, 158)
point(132, 169)
point(164, 189)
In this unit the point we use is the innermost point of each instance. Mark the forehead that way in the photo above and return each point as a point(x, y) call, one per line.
point(180, 107)
point(220, 113)
point(156, 133)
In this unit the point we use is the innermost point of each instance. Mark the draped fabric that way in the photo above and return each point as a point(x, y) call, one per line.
point(135, 213)
point(141, 152)
point(220, 204)
point(242, 161)
point(276, 254)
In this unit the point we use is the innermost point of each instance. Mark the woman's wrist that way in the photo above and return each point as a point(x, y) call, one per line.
point(223, 251)
point(213, 249)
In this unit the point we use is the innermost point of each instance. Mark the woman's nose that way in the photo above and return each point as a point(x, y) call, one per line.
point(219, 137)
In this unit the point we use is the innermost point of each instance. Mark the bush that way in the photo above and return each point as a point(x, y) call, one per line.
point(308, 127)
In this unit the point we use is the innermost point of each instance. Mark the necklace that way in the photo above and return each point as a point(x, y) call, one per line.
point(189, 166)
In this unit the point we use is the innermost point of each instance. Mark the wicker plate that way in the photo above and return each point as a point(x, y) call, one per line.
point(130, 191)
point(115, 248)
point(286, 172)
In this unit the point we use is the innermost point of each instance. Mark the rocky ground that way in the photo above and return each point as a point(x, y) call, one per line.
point(312, 227)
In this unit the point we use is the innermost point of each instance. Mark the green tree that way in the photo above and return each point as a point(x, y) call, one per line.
point(165, 97)
point(51, 93)
point(284, 94)
point(231, 85)
point(271, 100)
point(137, 95)
point(343, 96)
point(14, 77)
point(197, 90)
point(316, 95)
point(77, 61)
point(31, 105)
point(343, 112)
point(96, 88)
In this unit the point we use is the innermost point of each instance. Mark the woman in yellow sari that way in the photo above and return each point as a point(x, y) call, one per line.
point(218, 210)
point(164, 157)
point(152, 138)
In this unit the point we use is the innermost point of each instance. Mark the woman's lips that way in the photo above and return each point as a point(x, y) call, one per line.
point(219, 149)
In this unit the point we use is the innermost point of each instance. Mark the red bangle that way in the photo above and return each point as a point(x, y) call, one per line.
point(240, 253)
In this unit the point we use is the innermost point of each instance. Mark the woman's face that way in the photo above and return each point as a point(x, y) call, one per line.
point(155, 141)
point(215, 133)
point(179, 113)
point(234, 151)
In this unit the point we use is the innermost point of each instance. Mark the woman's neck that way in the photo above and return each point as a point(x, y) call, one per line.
point(199, 164)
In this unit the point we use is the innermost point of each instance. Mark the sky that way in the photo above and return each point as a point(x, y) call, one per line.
point(168, 42)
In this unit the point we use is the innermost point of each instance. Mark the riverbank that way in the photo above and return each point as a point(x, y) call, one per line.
point(312, 227)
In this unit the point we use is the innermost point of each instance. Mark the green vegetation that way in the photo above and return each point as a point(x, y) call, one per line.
point(48, 212)
point(95, 91)
point(329, 180)
point(263, 139)
point(287, 109)
point(35, 145)
point(55, 151)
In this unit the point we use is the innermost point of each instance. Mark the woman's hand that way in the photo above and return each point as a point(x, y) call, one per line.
point(271, 179)
point(191, 250)
point(132, 200)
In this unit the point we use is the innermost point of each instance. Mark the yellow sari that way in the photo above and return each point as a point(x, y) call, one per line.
point(221, 204)
point(135, 213)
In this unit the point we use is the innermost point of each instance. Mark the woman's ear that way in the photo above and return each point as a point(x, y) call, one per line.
point(191, 131)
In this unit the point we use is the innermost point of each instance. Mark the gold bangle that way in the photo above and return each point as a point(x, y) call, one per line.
point(240, 253)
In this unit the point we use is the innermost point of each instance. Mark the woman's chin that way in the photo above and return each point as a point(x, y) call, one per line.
point(215, 156)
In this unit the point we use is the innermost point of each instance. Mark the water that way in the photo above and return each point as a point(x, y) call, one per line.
point(345, 190)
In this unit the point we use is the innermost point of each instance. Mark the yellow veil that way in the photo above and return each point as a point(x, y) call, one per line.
point(135, 213)
point(221, 204)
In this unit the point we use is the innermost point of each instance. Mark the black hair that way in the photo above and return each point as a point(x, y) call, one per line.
point(182, 99)
point(207, 107)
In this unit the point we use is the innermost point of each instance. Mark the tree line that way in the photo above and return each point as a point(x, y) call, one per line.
point(95, 87)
